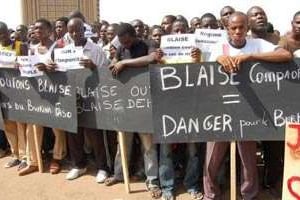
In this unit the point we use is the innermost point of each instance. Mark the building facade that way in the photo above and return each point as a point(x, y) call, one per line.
point(53, 9)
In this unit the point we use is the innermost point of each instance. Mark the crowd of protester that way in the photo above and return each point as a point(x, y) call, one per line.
point(202, 167)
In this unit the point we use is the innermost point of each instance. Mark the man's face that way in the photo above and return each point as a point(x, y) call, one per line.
point(196, 23)
point(60, 28)
point(178, 28)
point(257, 19)
point(21, 32)
point(76, 32)
point(139, 28)
point(237, 30)
point(225, 14)
point(166, 25)
point(41, 31)
point(209, 23)
point(4, 35)
point(110, 33)
point(126, 41)
point(296, 25)
point(102, 33)
point(156, 35)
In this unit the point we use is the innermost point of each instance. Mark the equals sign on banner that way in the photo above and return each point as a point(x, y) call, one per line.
point(231, 98)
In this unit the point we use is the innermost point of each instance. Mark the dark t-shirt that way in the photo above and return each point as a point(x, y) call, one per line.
point(139, 48)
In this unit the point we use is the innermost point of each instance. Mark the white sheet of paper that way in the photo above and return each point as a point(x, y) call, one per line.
point(206, 39)
point(27, 68)
point(7, 59)
point(68, 58)
point(177, 48)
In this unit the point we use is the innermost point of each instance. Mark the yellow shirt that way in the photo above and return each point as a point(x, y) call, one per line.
point(15, 46)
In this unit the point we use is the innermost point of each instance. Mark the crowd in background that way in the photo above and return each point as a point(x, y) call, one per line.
point(202, 167)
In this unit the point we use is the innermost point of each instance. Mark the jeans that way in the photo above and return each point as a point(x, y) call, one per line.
point(3, 141)
point(167, 174)
point(150, 159)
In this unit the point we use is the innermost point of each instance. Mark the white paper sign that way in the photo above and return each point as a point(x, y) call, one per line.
point(206, 40)
point(177, 48)
point(68, 58)
point(7, 59)
point(27, 68)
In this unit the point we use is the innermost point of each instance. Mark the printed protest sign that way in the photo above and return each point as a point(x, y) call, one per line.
point(206, 40)
point(68, 58)
point(26, 66)
point(177, 48)
point(7, 59)
point(291, 178)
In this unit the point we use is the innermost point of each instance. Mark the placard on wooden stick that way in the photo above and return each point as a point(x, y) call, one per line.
point(291, 179)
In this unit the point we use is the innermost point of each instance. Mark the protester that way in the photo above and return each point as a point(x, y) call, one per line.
point(194, 24)
point(14, 131)
point(127, 55)
point(238, 49)
point(166, 168)
point(225, 13)
point(273, 150)
point(208, 21)
point(43, 50)
point(94, 58)
point(291, 40)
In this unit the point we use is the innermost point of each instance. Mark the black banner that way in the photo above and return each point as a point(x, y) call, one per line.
point(115, 103)
point(48, 100)
point(200, 102)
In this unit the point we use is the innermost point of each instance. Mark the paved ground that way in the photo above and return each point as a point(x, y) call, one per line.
point(54, 187)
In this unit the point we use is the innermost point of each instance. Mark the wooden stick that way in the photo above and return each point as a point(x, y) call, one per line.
point(233, 171)
point(37, 149)
point(124, 159)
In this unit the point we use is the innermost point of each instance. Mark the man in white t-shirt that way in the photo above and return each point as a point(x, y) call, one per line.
point(230, 55)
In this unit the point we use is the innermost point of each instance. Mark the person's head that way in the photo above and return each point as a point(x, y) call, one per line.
point(258, 20)
point(21, 33)
point(102, 33)
point(138, 26)
point(225, 13)
point(296, 24)
point(195, 23)
point(111, 31)
point(126, 35)
point(166, 23)
point(209, 21)
point(12, 36)
point(76, 14)
point(146, 31)
point(31, 36)
point(270, 27)
point(155, 34)
point(179, 27)
point(4, 35)
point(61, 27)
point(237, 29)
point(76, 30)
point(182, 18)
point(96, 26)
point(42, 29)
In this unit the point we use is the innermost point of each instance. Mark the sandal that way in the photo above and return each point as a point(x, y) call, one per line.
point(54, 167)
point(155, 192)
point(111, 181)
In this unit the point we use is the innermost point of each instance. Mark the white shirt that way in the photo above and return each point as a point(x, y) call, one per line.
point(253, 45)
point(95, 53)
